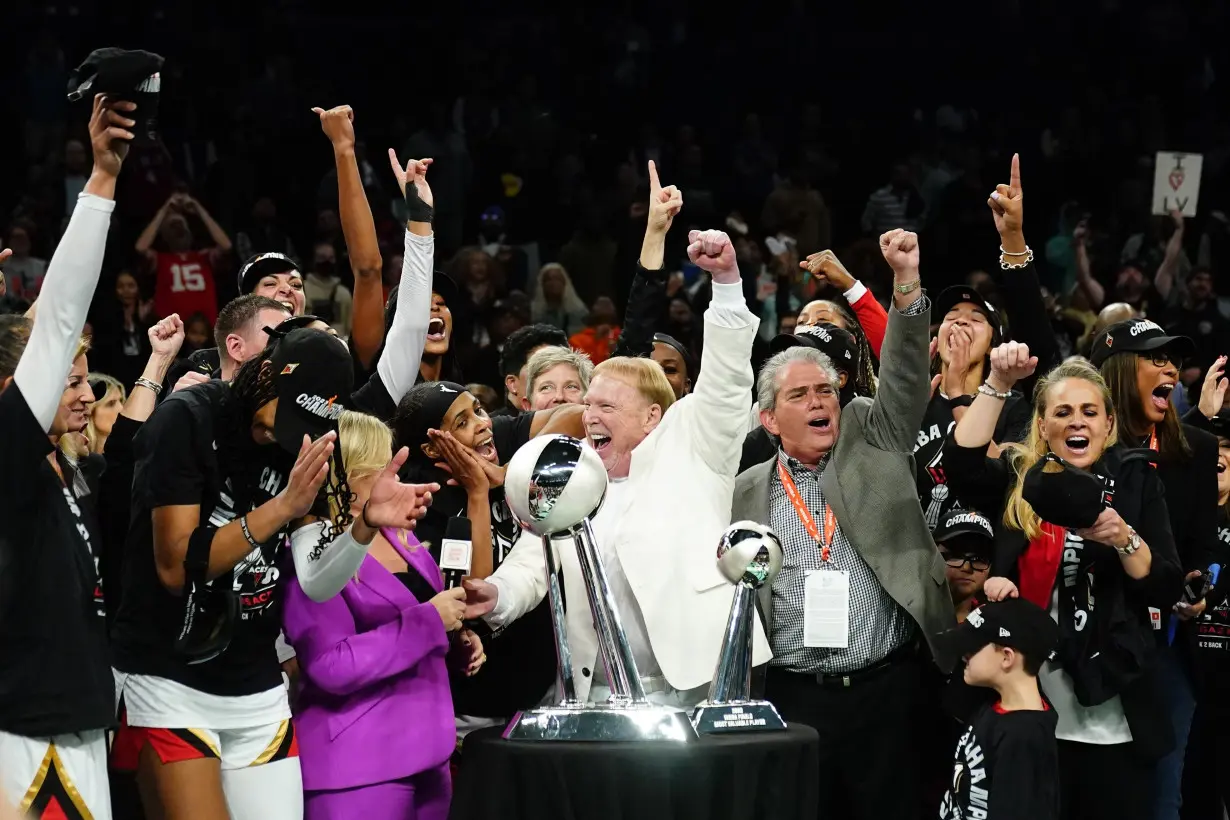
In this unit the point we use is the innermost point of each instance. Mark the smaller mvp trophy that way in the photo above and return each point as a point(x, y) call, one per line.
point(749, 556)
point(554, 485)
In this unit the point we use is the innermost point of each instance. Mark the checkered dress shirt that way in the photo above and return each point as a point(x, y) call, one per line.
point(878, 625)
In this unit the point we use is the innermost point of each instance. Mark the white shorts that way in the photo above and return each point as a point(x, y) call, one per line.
point(63, 776)
point(182, 723)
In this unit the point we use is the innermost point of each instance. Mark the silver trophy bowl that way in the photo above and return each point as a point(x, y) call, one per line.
point(554, 486)
point(749, 556)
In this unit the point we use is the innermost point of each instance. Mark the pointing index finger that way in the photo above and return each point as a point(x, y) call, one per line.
point(1014, 179)
point(654, 184)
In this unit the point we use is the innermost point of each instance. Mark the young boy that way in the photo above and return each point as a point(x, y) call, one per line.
point(1006, 765)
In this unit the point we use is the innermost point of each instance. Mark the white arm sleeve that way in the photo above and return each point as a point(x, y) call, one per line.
point(403, 348)
point(521, 580)
point(62, 307)
point(327, 575)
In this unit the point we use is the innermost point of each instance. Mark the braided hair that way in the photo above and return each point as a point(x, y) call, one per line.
point(252, 388)
point(865, 378)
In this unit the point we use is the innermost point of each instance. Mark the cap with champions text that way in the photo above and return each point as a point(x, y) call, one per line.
point(1137, 336)
point(960, 522)
point(313, 375)
point(839, 345)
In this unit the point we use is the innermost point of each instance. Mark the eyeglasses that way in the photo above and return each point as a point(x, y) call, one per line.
point(1160, 358)
point(976, 564)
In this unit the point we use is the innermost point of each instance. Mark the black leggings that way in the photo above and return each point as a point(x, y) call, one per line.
point(1104, 782)
point(1206, 773)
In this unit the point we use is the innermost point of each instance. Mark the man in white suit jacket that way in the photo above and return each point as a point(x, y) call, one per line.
point(671, 483)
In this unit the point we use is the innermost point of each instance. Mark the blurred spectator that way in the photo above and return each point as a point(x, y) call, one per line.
point(555, 300)
point(897, 205)
point(601, 331)
point(324, 294)
point(796, 209)
point(121, 321)
point(23, 271)
point(589, 257)
point(263, 234)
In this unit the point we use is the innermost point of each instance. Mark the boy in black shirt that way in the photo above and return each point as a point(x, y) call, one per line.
point(1007, 762)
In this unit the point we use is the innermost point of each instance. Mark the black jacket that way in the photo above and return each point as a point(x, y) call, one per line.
point(1144, 508)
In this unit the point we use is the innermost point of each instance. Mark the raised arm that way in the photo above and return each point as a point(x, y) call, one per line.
point(647, 298)
point(403, 351)
point(145, 241)
point(721, 396)
point(165, 339)
point(359, 230)
point(1027, 315)
point(73, 273)
point(1167, 272)
point(905, 385)
point(1010, 362)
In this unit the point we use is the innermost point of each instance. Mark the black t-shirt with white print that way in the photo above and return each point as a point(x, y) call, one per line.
point(1006, 767)
point(178, 463)
point(55, 673)
point(1212, 633)
point(933, 492)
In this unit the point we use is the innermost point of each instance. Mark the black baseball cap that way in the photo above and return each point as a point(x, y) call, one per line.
point(959, 522)
point(264, 264)
point(1137, 336)
point(1014, 622)
point(954, 295)
point(313, 376)
point(839, 345)
point(1064, 495)
point(443, 286)
point(133, 76)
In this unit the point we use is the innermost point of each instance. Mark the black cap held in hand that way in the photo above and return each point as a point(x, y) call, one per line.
point(132, 76)
point(1066, 497)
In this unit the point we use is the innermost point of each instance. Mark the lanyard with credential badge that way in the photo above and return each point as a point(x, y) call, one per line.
point(825, 540)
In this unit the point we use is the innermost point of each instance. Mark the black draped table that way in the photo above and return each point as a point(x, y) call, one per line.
point(751, 776)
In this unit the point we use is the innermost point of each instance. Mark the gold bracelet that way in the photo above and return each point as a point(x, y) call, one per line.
point(908, 287)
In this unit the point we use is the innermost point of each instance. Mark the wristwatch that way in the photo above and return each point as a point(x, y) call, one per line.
point(908, 287)
point(1132, 545)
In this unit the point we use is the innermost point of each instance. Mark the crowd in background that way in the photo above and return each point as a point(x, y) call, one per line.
point(540, 176)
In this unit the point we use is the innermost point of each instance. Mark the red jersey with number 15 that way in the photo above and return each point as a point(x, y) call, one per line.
point(184, 284)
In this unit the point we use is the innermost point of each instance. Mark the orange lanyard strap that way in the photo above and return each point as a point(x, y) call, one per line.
point(1153, 440)
point(805, 517)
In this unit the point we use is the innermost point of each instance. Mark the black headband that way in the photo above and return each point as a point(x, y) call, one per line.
point(430, 414)
point(688, 361)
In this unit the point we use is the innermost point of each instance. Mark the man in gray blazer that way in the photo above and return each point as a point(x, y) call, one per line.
point(861, 580)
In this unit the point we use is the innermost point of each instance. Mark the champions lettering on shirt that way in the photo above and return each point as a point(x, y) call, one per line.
point(327, 409)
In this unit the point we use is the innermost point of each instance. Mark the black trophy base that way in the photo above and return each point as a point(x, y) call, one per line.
point(744, 716)
point(632, 722)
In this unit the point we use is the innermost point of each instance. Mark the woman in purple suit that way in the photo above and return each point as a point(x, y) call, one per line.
point(375, 722)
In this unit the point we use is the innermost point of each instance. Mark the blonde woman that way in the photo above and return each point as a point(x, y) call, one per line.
point(109, 398)
point(555, 300)
point(1104, 682)
point(375, 722)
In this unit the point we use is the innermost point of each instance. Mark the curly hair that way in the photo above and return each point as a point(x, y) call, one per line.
point(252, 388)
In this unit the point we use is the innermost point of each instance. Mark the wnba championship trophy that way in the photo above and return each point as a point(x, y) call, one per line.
point(554, 485)
point(749, 556)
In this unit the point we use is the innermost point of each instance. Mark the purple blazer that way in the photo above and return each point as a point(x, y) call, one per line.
point(375, 703)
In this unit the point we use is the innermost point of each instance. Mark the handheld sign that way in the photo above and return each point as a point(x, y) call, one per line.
point(1176, 182)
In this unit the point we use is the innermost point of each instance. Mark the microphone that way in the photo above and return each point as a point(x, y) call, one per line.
point(455, 552)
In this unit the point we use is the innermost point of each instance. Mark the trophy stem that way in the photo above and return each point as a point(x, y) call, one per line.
point(566, 690)
point(621, 672)
point(732, 678)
